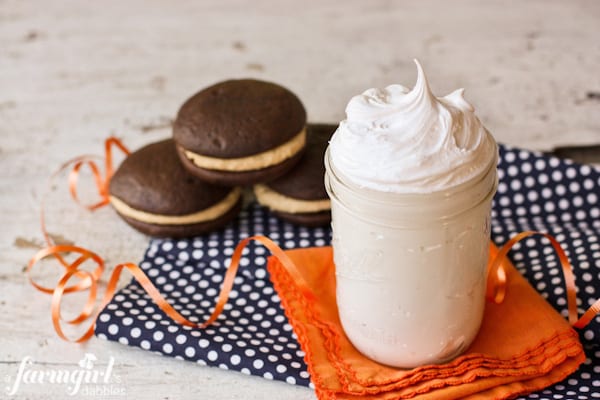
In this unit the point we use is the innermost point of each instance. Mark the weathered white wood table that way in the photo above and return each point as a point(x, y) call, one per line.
point(72, 73)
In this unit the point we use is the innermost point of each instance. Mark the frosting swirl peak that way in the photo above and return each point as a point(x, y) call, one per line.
point(409, 141)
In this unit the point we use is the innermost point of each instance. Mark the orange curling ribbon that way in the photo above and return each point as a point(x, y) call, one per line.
point(87, 279)
point(496, 289)
point(588, 316)
point(88, 309)
point(93, 278)
point(101, 183)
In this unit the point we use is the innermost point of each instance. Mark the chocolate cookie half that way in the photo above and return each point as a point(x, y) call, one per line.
point(240, 132)
point(299, 196)
point(154, 194)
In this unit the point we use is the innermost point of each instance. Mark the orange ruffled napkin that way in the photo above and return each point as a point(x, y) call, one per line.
point(524, 345)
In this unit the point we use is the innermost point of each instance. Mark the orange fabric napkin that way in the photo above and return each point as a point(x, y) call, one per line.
point(524, 345)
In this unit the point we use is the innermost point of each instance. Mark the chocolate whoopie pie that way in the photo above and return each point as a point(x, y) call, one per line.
point(154, 194)
point(300, 196)
point(240, 132)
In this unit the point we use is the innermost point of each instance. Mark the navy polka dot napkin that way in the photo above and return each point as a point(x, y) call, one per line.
point(253, 336)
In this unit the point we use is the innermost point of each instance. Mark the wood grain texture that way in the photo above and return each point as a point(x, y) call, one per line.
point(72, 73)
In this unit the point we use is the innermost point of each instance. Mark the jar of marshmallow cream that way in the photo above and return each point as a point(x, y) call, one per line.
point(411, 179)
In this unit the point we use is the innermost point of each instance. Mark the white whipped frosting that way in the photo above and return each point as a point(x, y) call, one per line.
point(409, 141)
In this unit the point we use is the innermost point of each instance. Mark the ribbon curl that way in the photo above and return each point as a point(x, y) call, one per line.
point(87, 279)
point(93, 278)
point(496, 285)
point(101, 183)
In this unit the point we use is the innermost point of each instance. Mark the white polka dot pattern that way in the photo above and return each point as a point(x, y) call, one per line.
point(252, 335)
point(562, 198)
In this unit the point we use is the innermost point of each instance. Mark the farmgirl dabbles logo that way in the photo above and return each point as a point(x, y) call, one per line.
point(86, 380)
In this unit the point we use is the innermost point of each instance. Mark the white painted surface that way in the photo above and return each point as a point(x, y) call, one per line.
point(72, 73)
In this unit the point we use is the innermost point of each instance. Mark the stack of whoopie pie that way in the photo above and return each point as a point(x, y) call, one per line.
point(233, 134)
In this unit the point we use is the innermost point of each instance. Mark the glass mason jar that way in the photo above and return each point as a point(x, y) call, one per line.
point(411, 269)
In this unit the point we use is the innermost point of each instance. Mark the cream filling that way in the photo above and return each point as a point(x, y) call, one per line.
point(209, 214)
point(257, 161)
point(278, 202)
